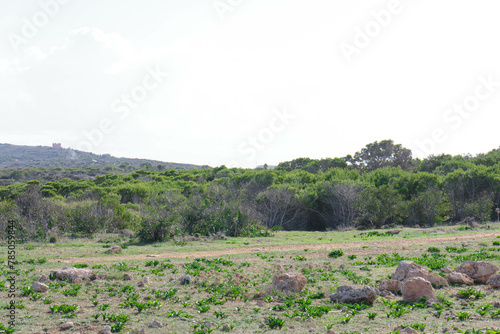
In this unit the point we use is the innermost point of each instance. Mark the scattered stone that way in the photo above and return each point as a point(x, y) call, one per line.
point(408, 330)
point(387, 294)
point(494, 281)
point(67, 325)
point(71, 273)
point(279, 269)
point(350, 295)
point(390, 284)
point(77, 280)
point(459, 278)
point(114, 249)
point(127, 277)
point(408, 269)
point(186, 279)
point(155, 324)
point(136, 331)
point(42, 278)
point(145, 282)
point(446, 270)
point(105, 330)
point(479, 271)
point(39, 287)
point(415, 288)
point(289, 282)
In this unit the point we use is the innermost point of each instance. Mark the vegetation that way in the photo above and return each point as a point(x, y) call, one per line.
point(380, 186)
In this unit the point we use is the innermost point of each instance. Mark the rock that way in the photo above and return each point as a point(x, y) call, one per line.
point(186, 279)
point(279, 269)
point(152, 255)
point(155, 324)
point(413, 289)
point(127, 277)
point(446, 270)
point(408, 269)
point(459, 278)
point(494, 281)
point(289, 282)
point(105, 330)
point(434, 279)
point(67, 325)
point(72, 273)
point(402, 270)
point(408, 330)
point(114, 249)
point(390, 285)
point(394, 231)
point(77, 280)
point(387, 294)
point(42, 278)
point(142, 331)
point(330, 332)
point(479, 271)
point(350, 295)
point(39, 287)
point(145, 282)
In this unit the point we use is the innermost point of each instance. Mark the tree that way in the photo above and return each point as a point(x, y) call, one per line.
point(338, 203)
point(383, 154)
point(280, 207)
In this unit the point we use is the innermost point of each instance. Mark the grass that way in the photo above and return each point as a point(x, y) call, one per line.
point(231, 293)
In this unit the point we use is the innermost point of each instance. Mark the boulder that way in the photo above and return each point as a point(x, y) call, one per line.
point(494, 281)
point(390, 285)
point(459, 278)
point(114, 249)
point(67, 325)
point(105, 330)
point(155, 324)
point(145, 282)
point(42, 278)
point(408, 330)
point(408, 269)
point(479, 271)
point(39, 287)
point(414, 289)
point(446, 270)
point(350, 295)
point(184, 280)
point(71, 274)
point(289, 282)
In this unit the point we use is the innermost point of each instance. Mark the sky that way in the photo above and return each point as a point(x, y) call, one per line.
point(242, 83)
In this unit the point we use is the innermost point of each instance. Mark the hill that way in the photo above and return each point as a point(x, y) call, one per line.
point(17, 156)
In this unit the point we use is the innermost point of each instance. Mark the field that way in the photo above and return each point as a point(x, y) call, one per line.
point(230, 283)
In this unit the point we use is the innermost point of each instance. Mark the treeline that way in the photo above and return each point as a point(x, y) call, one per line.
point(379, 186)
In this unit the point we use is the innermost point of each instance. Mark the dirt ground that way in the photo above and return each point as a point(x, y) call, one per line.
point(375, 247)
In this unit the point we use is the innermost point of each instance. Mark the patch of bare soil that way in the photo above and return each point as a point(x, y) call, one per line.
point(374, 247)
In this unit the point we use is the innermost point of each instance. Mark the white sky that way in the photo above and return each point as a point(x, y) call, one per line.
point(233, 65)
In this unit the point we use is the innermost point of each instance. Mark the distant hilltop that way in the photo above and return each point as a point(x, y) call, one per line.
point(18, 156)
